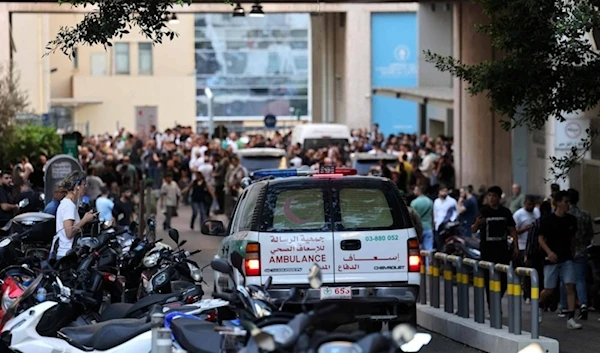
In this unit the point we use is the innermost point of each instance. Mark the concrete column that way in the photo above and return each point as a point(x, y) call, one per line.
point(484, 149)
point(5, 46)
point(356, 82)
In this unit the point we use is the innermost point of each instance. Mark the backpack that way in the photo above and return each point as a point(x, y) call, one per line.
point(533, 249)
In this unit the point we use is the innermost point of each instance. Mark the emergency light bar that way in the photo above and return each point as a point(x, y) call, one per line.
point(292, 172)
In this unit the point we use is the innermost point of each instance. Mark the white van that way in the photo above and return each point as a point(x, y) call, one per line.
point(262, 158)
point(314, 136)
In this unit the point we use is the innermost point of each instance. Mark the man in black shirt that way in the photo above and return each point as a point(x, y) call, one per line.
point(7, 205)
point(557, 239)
point(123, 209)
point(495, 222)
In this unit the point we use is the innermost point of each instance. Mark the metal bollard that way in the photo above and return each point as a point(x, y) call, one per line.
point(509, 288)
point(460, 286)
point(516, 303)
point(535, 300)
point(495, 304)
point(478, 290)
point(435, 281)
point(448, 287)
point(423, 289)
point(158, 321)
point(164, 343)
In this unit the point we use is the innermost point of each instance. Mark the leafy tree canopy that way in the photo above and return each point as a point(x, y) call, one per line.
point(548, 68)
point(113, 19)
point(29, 141)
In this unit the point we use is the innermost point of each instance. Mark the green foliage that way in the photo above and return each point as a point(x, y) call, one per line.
point(28, 141)
point(13, 100)
point(548, 67)
point(115, 18)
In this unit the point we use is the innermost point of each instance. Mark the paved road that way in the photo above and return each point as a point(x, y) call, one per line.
point(210, 244)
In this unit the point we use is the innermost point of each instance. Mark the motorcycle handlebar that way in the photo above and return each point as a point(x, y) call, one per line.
point(195, 252)
point(224, 296)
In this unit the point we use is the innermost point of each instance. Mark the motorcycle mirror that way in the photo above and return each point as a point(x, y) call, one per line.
point(151, 224)
point(268, 283)
point(23, 203)
point(315, 276)
point(419, 340)
point(174, 235)
point(222, 266)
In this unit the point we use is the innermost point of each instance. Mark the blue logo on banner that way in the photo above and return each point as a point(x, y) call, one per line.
point(394, 60)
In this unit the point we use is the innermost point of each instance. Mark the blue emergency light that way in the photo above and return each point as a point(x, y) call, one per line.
point(303, 171)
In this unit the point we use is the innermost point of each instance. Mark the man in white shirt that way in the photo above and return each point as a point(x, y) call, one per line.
point(524, 218)
point(445, 209)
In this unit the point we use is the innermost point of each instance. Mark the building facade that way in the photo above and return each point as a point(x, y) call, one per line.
point(130, 84)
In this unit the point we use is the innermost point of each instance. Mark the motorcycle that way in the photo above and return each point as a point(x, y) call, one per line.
point(42, 329)
point(170, 271)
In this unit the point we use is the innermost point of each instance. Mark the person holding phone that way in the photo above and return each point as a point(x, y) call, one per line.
point(68, 222)
point(495, 222)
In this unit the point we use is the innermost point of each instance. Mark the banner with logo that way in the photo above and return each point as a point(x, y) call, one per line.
point(394, 64)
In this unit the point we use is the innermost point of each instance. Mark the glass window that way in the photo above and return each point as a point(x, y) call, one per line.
point(122, 58)
point(75, 58)
point(295, 211)
point(365, 208)
point(240, 59)
point(98, 64)
point(248, 210)
point(145, 63)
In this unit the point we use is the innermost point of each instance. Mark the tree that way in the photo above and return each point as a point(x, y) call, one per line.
point(29, 141)
point(114, 18)
point(548, 68)
point(13, 100)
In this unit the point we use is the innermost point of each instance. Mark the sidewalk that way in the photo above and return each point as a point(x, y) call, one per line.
point(586, 340)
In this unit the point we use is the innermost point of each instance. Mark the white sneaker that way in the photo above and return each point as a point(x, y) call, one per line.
point(561, 313)
point(541, 315)
point(528, 301)
point(573, 325)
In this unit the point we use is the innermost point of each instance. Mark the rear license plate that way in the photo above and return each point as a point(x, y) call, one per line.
point(336, 293)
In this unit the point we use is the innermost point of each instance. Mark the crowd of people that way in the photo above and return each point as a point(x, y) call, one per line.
point(179, 166)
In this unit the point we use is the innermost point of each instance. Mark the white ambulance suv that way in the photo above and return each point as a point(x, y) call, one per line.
point(356, 228)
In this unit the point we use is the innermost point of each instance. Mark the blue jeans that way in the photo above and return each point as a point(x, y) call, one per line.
point(198, 209)
point(427, 242)
point(581, 271)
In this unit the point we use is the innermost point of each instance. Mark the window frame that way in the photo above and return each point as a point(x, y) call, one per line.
point(151, 51)
point(399, 211)
point(270, 202)
point(116, 54)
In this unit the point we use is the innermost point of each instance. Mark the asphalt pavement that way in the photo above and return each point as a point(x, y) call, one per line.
point(210, 244)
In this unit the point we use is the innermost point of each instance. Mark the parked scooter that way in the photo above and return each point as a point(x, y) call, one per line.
point(39, 329)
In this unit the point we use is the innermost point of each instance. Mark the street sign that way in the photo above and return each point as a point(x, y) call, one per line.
point(55, 170)
point(270, 121)
point(70, 145)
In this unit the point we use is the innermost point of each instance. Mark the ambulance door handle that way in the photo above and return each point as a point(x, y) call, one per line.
point(350, 245)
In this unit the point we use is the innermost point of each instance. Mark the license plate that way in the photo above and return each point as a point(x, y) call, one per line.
point(336, 293)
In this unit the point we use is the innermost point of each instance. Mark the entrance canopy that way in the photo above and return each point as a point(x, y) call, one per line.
point(440, 96)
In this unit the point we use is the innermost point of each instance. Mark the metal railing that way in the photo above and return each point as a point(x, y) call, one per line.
point(450, 264)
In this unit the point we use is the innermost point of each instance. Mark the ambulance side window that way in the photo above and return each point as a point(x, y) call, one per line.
point(238, 213)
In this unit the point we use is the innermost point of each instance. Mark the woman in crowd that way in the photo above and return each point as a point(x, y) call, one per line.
point(202, 197)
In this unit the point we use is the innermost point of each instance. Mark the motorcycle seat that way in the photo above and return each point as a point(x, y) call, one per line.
point(196, 336)
point(144, 304)
point(104, 335)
